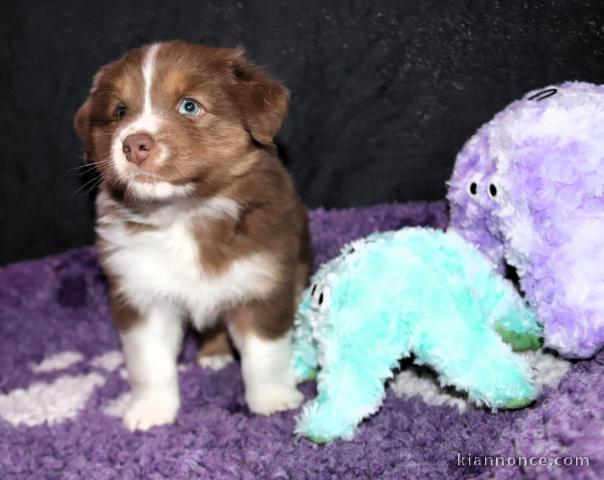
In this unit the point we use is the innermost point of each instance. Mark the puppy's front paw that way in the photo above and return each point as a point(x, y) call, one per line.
point(273, 398)
point(150, 410)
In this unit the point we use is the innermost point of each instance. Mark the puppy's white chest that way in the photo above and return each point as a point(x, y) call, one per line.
point(163, 265)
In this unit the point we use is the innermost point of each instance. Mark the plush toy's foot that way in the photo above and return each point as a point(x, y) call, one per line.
point(304, 373)
point(508, 385)
point(304, 356)
point(484, 366)
point(321, 424)
point(519, 341)
point(519, 403)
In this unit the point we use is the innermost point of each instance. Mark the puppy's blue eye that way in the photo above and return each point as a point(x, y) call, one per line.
point(189, 107)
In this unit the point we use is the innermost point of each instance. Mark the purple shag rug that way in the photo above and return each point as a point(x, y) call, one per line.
point(62, 388)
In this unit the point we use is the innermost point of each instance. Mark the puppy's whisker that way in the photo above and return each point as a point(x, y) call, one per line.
point(83, 169)
point(93, 186)
point(89, 164)
point(90, 183)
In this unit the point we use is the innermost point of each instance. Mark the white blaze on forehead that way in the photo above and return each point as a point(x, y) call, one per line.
point(147, 121)
point(148, 71)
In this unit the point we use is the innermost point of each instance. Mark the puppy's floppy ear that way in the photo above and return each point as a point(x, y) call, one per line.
point(262, 100)
point(81, 120)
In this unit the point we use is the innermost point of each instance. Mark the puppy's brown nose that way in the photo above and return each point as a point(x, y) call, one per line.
point(137, 147)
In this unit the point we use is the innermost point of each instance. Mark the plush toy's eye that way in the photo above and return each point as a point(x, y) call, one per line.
point(493, 190)
point(322, 298)
point(473, 188)
point(313, 290)
point(120, 111)
point(190, 107)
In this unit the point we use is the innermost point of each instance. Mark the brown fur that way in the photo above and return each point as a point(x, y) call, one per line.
point(227, 151)
point(215, 341)
point(124, 316)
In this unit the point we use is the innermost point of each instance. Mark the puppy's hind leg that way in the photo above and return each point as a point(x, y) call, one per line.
point(215, 351)
point(261, 333)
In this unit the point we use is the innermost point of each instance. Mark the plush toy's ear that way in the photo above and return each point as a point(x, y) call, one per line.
point(262, 100)
point(543, 94)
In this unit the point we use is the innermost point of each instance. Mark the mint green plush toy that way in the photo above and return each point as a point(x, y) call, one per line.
point(414, 291)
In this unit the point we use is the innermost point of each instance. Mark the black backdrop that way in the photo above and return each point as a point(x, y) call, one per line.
point(385, 93)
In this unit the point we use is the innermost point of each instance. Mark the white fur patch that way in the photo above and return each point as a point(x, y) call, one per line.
point(215, 362)
point(119, 407)
point(49, 402)
point(150, 349)
point(219, 207)
point(160, 190)
point(163, 264)
point(151, 409)
point(148, 71)
point(58, 361)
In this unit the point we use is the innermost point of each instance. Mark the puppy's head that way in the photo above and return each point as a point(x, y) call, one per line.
point(172, 118)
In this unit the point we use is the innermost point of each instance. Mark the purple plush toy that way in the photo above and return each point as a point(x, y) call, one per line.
point(528, 189)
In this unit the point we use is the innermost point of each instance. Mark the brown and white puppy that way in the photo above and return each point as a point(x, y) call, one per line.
point(197, 219)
